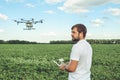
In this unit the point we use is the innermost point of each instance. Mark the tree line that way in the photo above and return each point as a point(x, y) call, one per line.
point(16, 42)
point(91, 41)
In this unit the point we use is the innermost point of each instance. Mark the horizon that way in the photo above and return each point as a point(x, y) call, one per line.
point(58, 40)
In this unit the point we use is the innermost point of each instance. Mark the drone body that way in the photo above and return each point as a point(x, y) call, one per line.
point(29, 23)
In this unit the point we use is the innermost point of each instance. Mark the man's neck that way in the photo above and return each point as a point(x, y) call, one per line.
point(82, 39)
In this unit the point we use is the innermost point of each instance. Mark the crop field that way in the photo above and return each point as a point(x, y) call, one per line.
point(34, 61)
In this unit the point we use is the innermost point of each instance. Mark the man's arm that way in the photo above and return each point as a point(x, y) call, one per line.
point(71, 67)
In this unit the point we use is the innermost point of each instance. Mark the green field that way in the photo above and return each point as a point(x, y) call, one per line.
point(34, 61)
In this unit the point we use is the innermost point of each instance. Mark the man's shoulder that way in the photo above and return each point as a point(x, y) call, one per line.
point(82, 43)
point(77, 45)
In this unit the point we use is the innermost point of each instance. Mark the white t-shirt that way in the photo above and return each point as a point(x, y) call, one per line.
point(82, 52)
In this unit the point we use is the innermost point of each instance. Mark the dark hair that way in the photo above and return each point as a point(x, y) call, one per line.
point(80, 28)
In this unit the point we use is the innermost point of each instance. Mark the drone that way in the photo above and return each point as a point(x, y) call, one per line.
point(29, 23)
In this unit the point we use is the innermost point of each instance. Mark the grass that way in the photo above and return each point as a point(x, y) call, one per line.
point(34, 61)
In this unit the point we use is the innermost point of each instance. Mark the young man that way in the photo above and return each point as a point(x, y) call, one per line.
point(80, 57)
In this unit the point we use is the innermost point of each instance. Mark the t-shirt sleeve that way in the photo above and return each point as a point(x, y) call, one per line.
point(75, 53)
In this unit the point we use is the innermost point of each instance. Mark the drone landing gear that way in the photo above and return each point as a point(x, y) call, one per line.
point(29, 29)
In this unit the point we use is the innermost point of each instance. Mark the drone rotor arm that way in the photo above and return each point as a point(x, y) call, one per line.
point(41, 21)
point(36, 22)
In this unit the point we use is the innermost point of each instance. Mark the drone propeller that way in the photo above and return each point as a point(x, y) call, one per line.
point(17, 23)
point(15, 20)
point(41, 21)
point(32, 19)
point(21, 19)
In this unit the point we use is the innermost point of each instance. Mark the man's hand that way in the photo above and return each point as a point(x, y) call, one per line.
point(70, 66)
point(62, 66)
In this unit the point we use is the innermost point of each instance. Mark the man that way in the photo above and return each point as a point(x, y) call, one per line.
point(80, 57)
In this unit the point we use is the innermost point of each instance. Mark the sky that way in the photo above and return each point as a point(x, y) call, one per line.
point(101, 17)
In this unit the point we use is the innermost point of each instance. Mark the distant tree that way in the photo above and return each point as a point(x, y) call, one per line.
point(62, 42)
point(1, 41)
point(20, 42)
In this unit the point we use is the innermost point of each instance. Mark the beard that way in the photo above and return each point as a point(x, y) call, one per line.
point(75, 40)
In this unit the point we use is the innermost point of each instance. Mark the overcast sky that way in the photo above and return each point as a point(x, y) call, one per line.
point(101, 17)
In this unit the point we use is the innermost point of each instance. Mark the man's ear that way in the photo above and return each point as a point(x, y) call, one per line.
point(80, 34)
